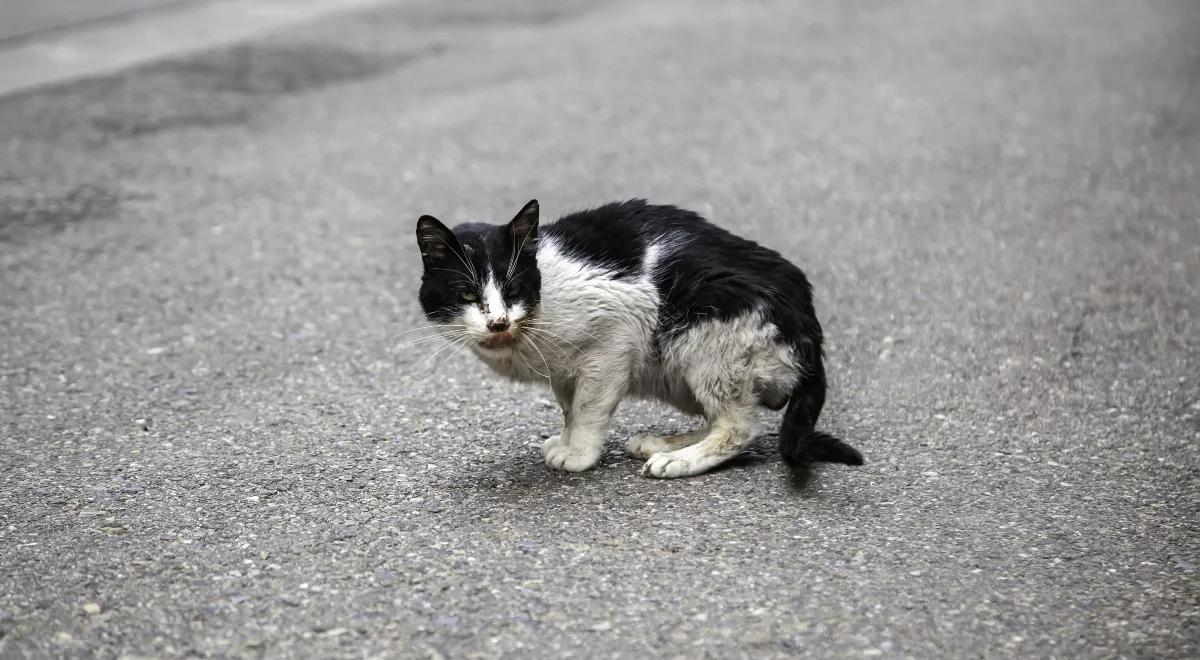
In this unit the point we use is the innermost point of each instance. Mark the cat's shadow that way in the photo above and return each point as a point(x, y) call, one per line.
point(522, 475)
point(800, 478)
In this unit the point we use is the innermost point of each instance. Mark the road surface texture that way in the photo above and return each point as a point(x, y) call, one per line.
point(215, 443)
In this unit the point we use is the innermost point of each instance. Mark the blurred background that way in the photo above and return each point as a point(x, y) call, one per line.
point(213, 441)
point(29, 18)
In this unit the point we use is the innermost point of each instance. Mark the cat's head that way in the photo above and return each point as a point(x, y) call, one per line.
point(481, 279)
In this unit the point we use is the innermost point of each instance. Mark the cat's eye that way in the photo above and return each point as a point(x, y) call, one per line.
point(512, 290)
point(467, 296)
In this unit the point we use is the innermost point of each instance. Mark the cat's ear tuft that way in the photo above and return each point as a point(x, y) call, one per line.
point(524, 226)
point(435, 239)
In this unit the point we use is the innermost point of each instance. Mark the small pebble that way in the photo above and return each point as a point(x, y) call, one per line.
point(91, 608)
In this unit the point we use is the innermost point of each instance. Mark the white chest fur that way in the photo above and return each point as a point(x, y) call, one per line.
point(588, 318)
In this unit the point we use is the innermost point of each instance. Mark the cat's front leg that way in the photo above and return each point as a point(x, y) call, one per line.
point(564, 393)
point(591, 404)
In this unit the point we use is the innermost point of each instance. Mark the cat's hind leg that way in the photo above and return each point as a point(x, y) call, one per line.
point(644, 446)
point(718, 361)
point(730, 432)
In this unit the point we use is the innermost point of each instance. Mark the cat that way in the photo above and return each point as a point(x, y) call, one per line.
point(632, 299)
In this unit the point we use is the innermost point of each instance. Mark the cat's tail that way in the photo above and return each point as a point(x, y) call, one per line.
point(817, 447)
point(799, 441)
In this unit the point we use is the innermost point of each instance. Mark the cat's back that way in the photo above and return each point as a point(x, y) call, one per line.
point(699, 269)
point(618, 236)
point(614, 237)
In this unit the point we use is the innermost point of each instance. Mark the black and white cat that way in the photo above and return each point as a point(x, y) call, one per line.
point(633, 299)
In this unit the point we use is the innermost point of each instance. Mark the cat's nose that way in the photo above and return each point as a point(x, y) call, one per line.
point(498, 325)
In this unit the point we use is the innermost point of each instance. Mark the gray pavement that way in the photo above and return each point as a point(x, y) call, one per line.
point(213, 443)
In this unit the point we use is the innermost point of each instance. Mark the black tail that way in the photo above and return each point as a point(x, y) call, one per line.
point(799, 441)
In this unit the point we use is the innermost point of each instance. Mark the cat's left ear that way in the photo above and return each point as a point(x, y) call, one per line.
point(524, 227)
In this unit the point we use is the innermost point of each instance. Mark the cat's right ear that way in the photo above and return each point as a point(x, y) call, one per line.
point(437, 242)
point(524, 227)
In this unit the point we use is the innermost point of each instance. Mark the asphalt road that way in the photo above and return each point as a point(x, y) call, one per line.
point(212, 441)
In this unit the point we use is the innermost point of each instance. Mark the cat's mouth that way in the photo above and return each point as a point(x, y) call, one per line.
point(496, 340)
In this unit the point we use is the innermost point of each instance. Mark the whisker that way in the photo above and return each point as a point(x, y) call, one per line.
point(543, 325)
point(404, 346)
point(457, 271)
point(426, 340)
point(463, 259)
point(438, 331)
point(546, 376)
point(456, 342)
point(436, 326)
point(552, 335)
point(540, 354)
point(422, 340)
point(452, 354)
point(533, 340)
point(516, 254)
point(512, 260)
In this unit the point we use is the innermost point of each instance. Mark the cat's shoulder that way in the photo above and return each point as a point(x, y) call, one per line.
point(632, 219)
point(617, 235)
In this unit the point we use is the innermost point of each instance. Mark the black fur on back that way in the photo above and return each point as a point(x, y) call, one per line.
point(707, 273)
point(612, 236)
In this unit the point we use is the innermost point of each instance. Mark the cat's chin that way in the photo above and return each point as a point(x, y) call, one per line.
point(498, 341)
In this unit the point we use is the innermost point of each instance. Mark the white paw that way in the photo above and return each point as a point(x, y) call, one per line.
point(686, 462)
point(571, 458)
point(668, 465)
